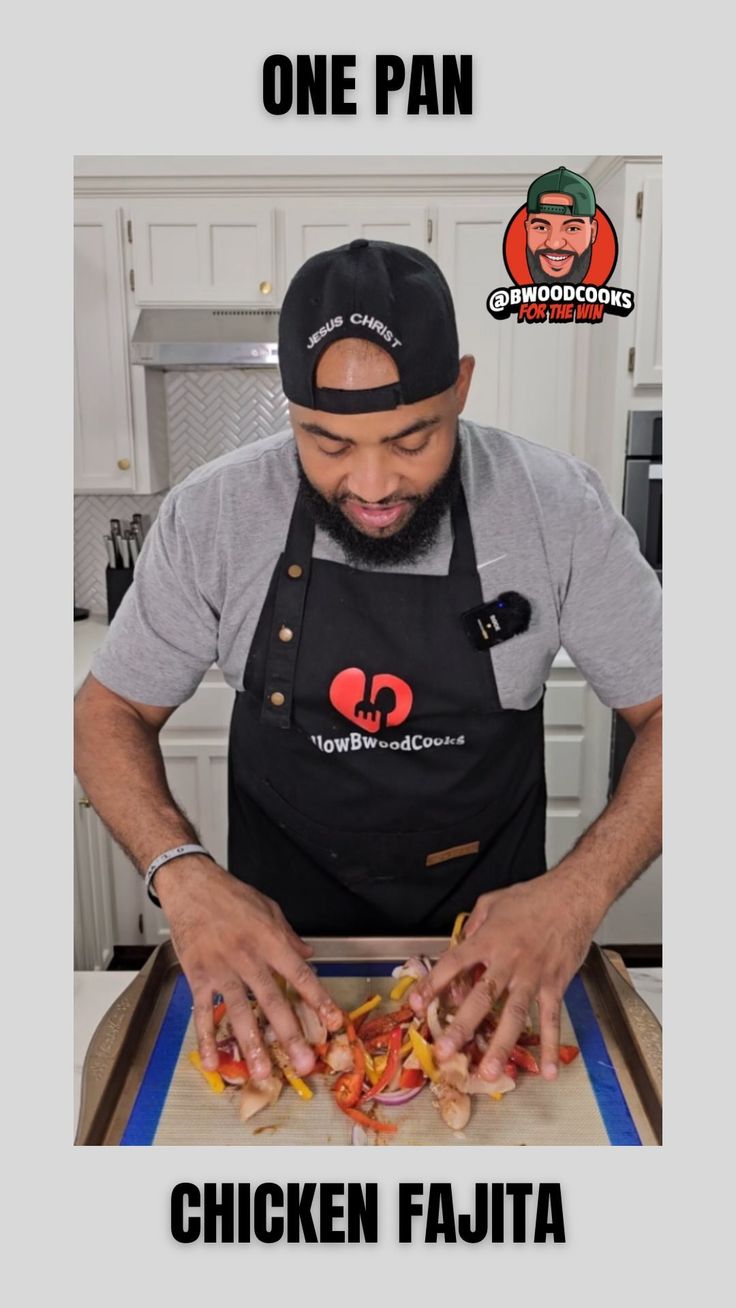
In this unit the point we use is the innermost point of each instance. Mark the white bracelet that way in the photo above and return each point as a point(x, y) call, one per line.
point(170, 854)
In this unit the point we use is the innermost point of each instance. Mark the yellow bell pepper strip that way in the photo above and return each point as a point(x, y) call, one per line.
point(296, 1083)
point(424, 1054)
point(365, 1008)
point(401, 987)
point(392, 1066)
point(370, 1068)
point(213, 1079)
point(458, 925)
point(496, 1095)
point(405, 1048)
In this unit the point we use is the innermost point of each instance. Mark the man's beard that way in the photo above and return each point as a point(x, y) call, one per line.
point(410, 542)
point(580, 266)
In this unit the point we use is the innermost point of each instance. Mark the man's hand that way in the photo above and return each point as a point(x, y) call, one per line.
point(532, 938)
point(228, 936)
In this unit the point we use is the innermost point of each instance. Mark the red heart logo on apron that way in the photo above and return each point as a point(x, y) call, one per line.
point(388, 703)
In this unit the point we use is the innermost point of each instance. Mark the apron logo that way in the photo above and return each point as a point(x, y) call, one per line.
point(387, 704)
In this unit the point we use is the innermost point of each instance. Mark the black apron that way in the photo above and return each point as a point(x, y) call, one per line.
point(376, 785)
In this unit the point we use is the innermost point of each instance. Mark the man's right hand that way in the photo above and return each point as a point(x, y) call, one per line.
point(228, 936)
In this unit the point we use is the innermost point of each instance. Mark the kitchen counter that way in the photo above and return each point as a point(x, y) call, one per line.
point(95, 992)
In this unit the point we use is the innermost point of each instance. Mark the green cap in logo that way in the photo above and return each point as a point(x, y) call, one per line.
point(562, 182)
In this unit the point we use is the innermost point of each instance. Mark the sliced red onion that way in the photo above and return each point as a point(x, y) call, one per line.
point(433, 1019)
point(229, 1048)
point(394, 1098)
point(414, 966)
point(233, 1080)
point(359, 1135)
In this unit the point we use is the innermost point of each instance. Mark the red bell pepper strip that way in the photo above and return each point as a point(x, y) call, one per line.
point(232, 1068)
point(411, 1077)
point(370, 1122)
point(528, 1038)
point(218, 1012)
point(524, 1059)
point(511, 1070)
point(568, 1052)
point(369, 1027)
point(391, 1068)
point(347, 1089)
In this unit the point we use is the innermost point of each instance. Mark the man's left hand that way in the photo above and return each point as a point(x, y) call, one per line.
point(532, 938)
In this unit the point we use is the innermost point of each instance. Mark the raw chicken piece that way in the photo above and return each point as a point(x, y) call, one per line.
point(454, 1106)
point(256, 1095)
point(339, 1056)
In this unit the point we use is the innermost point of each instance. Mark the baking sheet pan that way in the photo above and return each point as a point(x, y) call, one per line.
point(139, 1087)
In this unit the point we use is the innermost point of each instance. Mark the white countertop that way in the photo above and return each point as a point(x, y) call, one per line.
point(95, 992)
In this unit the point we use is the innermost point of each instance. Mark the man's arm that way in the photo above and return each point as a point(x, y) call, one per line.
point(534, 936)
point(225, 933)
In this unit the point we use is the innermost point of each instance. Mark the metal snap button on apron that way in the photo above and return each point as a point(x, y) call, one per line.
point(295, 570)
point(277, 699)
point(286, 634)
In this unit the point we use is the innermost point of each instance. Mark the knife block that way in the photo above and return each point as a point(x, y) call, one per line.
point(117, 580)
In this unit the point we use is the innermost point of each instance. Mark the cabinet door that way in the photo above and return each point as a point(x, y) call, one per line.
point(103, 425)
point(648, 344)
point(315, 226)
point(523, 380)
point(203, 251)
point(197, 774)
point(94, 918)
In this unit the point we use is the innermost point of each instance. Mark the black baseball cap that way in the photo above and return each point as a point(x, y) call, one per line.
point(390, 294)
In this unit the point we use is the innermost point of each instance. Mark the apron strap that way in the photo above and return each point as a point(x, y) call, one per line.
point(294, 569)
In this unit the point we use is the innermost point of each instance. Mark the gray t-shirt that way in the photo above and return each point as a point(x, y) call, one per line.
point(542, 524)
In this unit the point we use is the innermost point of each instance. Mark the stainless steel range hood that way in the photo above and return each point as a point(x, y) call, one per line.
point(206, 338)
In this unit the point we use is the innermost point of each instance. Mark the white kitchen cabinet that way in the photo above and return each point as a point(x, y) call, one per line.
point(203, 250)
point(94, 914)
point(648, 339)
point(313, 225)
point(524, 374)
point(103, 425)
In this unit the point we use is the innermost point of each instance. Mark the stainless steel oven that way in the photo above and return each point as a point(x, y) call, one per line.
point(642, 507)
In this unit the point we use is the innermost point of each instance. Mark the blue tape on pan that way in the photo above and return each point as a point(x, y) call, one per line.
point(154, 1087)
point(610, 1098)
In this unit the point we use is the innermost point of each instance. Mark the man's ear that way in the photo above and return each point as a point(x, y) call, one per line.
point(464, 377)
point(593, 229)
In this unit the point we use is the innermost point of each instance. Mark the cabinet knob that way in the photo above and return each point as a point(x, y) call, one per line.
point(265, 288)
point(123, 464)
point(84, 802)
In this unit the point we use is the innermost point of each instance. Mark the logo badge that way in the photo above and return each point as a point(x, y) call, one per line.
point(387, 703)
point(560, 249)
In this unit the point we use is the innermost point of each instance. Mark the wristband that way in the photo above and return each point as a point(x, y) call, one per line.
point(167, 857)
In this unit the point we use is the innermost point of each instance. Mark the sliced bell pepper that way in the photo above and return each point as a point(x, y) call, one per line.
point(367, 1007)
point(370, 1122)
point(347, 1089)
point(528, 1038)
point(218, 1012)
point(391, 1068)
point(410, 1078)
point(232, 1068)
point(401, 987)
point(511, 1070)
point(568, 1052)
point(383, 1025)
point(424, 1053)
point(458, 925)
point(296, 1083)
point(524, 1059)
point(213, 1079)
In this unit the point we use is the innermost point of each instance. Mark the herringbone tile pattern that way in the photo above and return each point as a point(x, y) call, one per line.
point(92, 514)
point(208, 414)
point(212, 413)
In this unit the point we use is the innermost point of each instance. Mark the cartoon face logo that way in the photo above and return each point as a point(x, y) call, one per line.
point(560, 249)
point(561, 228)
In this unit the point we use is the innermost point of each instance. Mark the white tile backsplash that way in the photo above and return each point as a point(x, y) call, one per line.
point(208, 413)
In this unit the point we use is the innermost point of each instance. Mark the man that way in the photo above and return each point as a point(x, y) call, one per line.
point(386, 756)
point(561, 227)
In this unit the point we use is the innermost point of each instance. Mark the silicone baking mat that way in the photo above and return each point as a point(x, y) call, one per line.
point(593, 1101)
